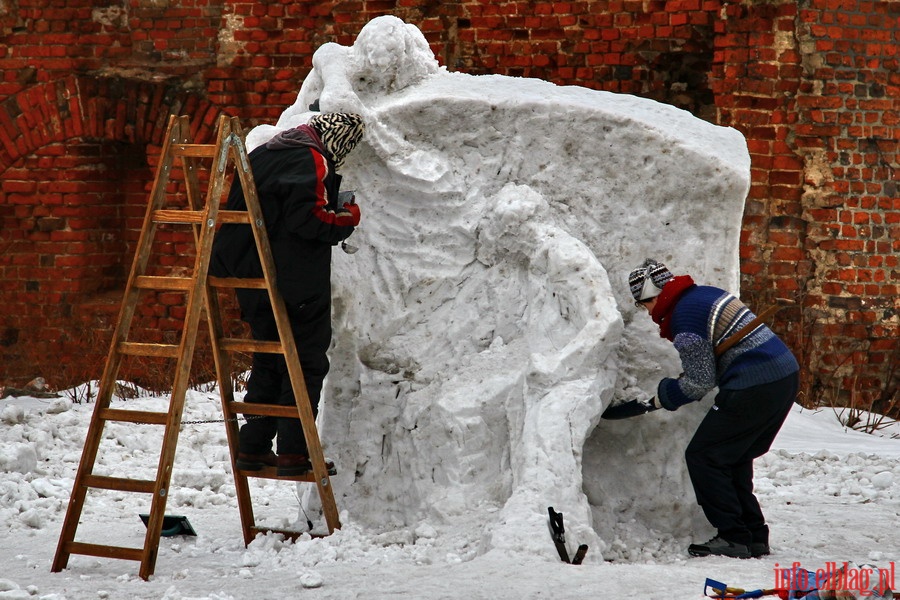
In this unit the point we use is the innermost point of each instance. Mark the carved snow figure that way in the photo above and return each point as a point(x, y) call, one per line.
point(486, 322)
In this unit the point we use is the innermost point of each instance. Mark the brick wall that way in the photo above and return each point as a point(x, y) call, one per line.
point(814, 86)
point(85, 90)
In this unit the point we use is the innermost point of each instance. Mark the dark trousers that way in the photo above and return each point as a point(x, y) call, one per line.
point(270, 382)
point(740, 427)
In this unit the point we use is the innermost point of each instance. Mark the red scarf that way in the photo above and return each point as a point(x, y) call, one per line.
point(666, 301)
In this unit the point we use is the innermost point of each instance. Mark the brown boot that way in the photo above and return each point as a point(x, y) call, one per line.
point(255, 462)
point(293, 464)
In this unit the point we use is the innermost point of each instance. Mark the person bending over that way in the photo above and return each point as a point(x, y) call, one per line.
point(297, 180)
point(757, 380)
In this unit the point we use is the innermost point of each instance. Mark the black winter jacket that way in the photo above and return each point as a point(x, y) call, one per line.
point(298, 193)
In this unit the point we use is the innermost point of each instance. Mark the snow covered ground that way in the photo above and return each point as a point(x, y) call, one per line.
point(831, 495)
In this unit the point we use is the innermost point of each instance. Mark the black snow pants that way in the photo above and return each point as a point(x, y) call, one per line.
point(740, 427)
point(269, 381)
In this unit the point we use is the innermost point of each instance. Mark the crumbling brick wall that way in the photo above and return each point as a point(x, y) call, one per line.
point(86, 88)
point(814, 86)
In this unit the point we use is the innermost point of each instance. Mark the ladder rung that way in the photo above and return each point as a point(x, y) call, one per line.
point(241, 345)
point(234, 216)
point(144, 349)
point(134, 416)
point(196, 150)
point(120, 484)
point(104, 551)
point(151, 282)
point(191, 217)
point(184, 217)
point(237, 282)
point(271, 473)
point(266, 410)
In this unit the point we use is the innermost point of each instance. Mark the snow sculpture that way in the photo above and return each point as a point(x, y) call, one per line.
point(486, 321)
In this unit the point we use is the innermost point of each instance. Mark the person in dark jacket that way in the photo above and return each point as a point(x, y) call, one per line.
point(297, 181)
point(757, 380)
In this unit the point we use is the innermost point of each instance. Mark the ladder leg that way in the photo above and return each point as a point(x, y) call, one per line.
point(307, 418)
point(77, 498)
point(113, 361)
point(196, 300)
point(226, 393)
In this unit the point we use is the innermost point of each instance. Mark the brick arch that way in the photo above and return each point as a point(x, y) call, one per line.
point(77, 157)
point(114, 108)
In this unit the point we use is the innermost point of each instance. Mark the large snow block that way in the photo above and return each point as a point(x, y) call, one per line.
point(486, 322)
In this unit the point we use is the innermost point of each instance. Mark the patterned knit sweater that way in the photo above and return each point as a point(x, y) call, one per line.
point(703, 317)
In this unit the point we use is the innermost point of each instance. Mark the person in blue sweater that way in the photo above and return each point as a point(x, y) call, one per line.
point(757, 382)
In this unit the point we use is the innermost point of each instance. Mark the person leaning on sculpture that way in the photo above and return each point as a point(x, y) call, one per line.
point(757, 380)
point(297, 181)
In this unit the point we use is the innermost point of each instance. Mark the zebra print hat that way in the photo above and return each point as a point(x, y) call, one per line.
point(340, 133)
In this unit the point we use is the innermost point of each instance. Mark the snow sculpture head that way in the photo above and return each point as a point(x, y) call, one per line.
point(390, 55)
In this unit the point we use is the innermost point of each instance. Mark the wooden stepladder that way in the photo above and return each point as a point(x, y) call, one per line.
point(201, 292)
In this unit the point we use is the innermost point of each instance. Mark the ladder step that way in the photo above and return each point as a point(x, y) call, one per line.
point(145, 349)
point(194, 150)
point(236, 282)
point(183, 217)
point(193, 217)
point(266, 410)
point(234, 216)
point(120, 484)
point(242, 345)
point(143, 417)
point(271, 473)
point(104, 551)
point(150, 282)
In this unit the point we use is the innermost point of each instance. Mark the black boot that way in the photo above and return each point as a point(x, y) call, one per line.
point(720, 547)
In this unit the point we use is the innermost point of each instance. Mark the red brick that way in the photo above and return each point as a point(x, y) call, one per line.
point(759, 86)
